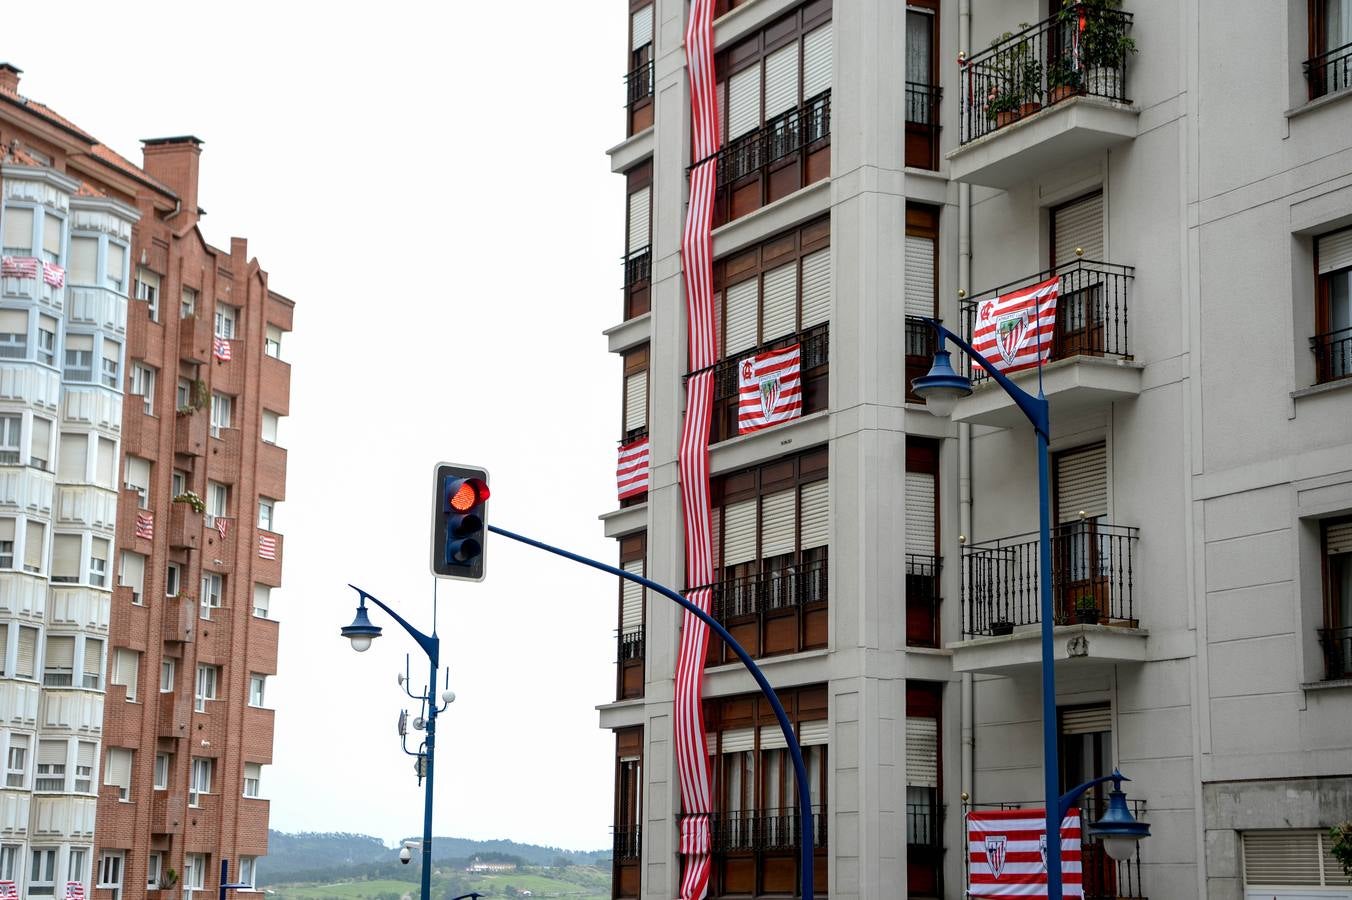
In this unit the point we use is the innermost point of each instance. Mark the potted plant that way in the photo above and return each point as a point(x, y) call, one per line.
point(1001, 627)
point(1028, 74)
point(169, 880)
point(1063, 80)
point(1340, 839)
point(1103, 43)
point(1087, 610)
point(1015, 80)
point(189, 497)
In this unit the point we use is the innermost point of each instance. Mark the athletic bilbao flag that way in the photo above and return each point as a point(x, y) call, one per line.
point(631, 475)
point(770, 389)
point(1015, 331)
point(1007, 852)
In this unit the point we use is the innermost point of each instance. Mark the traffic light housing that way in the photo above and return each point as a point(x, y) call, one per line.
point(459, 522)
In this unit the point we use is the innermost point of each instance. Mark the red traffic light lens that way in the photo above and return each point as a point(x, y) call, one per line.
point(470, 494)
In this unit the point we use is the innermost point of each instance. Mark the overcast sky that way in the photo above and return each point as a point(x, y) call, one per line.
point(428, 183)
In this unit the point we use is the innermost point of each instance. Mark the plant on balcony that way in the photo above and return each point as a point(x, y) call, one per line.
point(1340, 836)
point(1063, 79)
point(169, 879)
point(1001, 627)
point(1087, 610)
point(1016, 80)
point(189, 497)
point(1104, 44)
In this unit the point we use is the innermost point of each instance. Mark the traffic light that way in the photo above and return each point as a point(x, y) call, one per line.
point(459, 522)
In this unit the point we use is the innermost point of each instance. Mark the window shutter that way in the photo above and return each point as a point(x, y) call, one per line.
point(80, 342)
point(738, 740)
point(815, 515)
point(270, 420)
point(817, 61)
point(18, 228)
point(119, 768)
point(51, 753)
point(148, 278)
point(777, 523)
point(60, 652)
point(1283, 858)
point(6, 531)
point(73, 461)
point(107, 463)
point(27, 656)
point(1079, 224)
point(138, 473)
point(781, 81)
point(739, 532)
point(739, 302)
point(814, 733)
point(920, 292)
point(66, 556)
point(744, 102)
point(922, 752)
point(817, 287)
point(13, 321)
point(640, 203)
point(636, 401)
point(772, 738)
point(1335, 251)
point(35, 544)
point(93, 658)
point(117, 261)
point(84, 252)
point(51, 234)
point(631, 607)
point(1338, 538)
point(112, 350)
point(126, 665)
point(133, 570)
point(920, 513)
point(1082, 483)
point(1091, 720)
point(716, 536)
point(780, 302)
point(84, 754)
point(41, 440)
point(642, 27)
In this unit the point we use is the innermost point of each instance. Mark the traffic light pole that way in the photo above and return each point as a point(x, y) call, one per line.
point(806, 846)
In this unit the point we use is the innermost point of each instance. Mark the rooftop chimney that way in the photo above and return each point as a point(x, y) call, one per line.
point(173, 161)
point(9, 77)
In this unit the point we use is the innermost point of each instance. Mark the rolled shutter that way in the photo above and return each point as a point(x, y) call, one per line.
point(817, 61)
point(1335, 251)
point(148, 278)
point(80, 342)
point(636, 401)
point(1082, 483)
point(920, 513)
point(739, 303)
point(119, 768)
point(1090, 720)
point(814, 733)
point(716, 536)
point(117, 261)
point(922, 752)
point(73, 464)
point(133, 572)
point(1079, 224)
point(13, 321)
point(83, 260)
point(51, 234)
point(772, 738)
point(738, 740)
point(84, 754)
point(40, 442)
point(1282, 858)
point(107, 463)
point(51, 753)
point(640, 205)
point(631, 607)
point(779, 302)
point(744, 101)
point(35, 545)
point(138, 473)
point(815, 515)
point(781, 81)
point(1338, 538)
point(920, 291)
point(27, 655)
point(18, 229)
point(93, 658)
point(642, 29)
point(60, 652)
point(270, 420)
point(817, 287)
point(739, 532)
point(778, 523)
point(6, 533)
point(126, 666)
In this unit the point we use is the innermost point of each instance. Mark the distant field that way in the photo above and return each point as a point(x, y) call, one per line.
point(583, 884)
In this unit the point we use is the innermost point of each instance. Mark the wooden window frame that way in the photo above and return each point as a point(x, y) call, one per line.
point(630, 670)
point(922, 588)
point(921, 149)
point(639, 111)
point(635, 361)
point(924, 863)
point(922, 221)
point(1323, 313)
point(637, 268)
point(628, 812)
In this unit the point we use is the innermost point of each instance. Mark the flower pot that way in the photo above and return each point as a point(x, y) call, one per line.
point(1027, 109)
point(1087, 616)
point(1061, 92)
point(1104, 81)
point(1001, 628)
point(1006, 117)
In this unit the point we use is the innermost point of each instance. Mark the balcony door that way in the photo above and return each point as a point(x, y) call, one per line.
point(1080, 506)
point(1085, 735)
point(1338, 599)
point(922, 84)
point(1078, 225)
point(922, 545)
point(1333, 316)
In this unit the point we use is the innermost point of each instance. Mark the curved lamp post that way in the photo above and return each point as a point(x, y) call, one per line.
point(1118, 829)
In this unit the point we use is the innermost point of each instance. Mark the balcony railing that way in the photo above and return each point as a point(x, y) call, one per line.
point(922, 600)
point(1091, 310)
point(1089, 559)
point(922, 124)
point(759, 830)
point(814, 359)
point(637, 266)
point(1080, 51)
point(764, 592)
point(627, 841)
point(638, 84)
point(1337, 644)
point(631, 645)
point(775, 160)
point(1329, 71)
point(919, 353)
point(1332, 354)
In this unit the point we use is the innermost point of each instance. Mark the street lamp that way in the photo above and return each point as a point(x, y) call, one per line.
point(361, 633)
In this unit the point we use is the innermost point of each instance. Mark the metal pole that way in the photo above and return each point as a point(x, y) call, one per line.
point(225, 870)
point(1050, 760)
point(807, 848)
point(431, 757)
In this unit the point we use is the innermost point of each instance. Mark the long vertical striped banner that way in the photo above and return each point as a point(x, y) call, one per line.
point(692, 755)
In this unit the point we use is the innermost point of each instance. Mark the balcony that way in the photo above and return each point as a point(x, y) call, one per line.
point(1093, 599)
point(1091, 363)
point(630, 665)
point(276, 385)
point(190, 433)
point(175, 714)
point(815, 344)
point(922, 125)
point(1051, 93)
point(925, 847)
point(638, 97)
point(1337, 646)
point(1332, 355)
point(166, 813)
point(756, 851)
point(789, 152)
point(185, 526)
point(626, 850)
point(922, 600)
point(637, 282)
point(194, 338)
point(768, 613)
point(1330, 71)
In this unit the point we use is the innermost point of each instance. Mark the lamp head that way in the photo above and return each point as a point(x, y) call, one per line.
point(1118, 829)
point(941, 388)
point(361, 632)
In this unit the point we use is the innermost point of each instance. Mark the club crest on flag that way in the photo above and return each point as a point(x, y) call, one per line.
point(769, 389)
point(1011, 333)
point(995, 853)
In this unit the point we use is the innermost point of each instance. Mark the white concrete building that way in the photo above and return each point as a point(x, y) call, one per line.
point(1185, 172)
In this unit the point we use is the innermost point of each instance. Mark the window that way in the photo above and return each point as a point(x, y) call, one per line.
point(34, 545)
point(212, 587)
point(922, 546)
point(13, 334)
point(143, 386)
point(166, 676)
point(40, 443)
point(171, 577)
point(115, 276)
point(58, 666)
point(638, 249)
point(105, 466)
point(72, 462)
point(225, 321)
point(52, 233)
point(922, 84)
point(136, 475)
point(162, 763)
point(79, 357)
point(257, 684)
point(628, 796)
point(194, 871)
point(66, 558)
point(42, 872)
point(133, 575)
point(117, 771)
point(112, 360)
point(1290, 859)
point(110, 872)
point(1337, 633)
point(148, 290)
point(221, 407)
point(1332, 343)
point(262, 599)
point(10, 429)
point(1329, 67)
point(6, 543)
point(126, 670)
point(183, 395)
point(93, 663)
point(47, 340)
point(83, 260)
point(51, 770)
point(98, 561)
point(187, 303)
point(248, 866)
point(253, 773)
point(154, 869)
point(218, 502)
point(270, 422)
point(206, 685)
point(272, 342)
point(25, 662)
point(85, 751)
point(924, 833)
point(634, 417)
point(265, 510)
point(18, 239)
point(178, 482)
point(201, 780)
point(16, 761)
point(75, 867)
point(9, 861)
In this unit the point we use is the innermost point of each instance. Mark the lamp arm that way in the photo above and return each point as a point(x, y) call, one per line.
point(1035, 408)
point(1069, 797)
point(429, 644)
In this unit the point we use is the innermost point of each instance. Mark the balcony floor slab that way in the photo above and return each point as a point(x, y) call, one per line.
point(1078, 646)
point(1071, 385)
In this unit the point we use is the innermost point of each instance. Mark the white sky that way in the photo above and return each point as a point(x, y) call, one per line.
point(428, 183)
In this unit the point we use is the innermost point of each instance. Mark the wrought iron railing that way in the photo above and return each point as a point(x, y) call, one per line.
point(1329, 71)
point(1080, 51)
point(634, 434)
point(919, 353)
point(922, 124)
point(814, 352)
point(638, 84)
point(637, 266)
point(627, 841)
point(631, 644)
point(922, 600)
point(763, 592)
point(763, 829)
point(1091, 311)
point(783, 135)
point(924, 825)
point(1332, 354)
point(1337, 644)
point(1090, 559)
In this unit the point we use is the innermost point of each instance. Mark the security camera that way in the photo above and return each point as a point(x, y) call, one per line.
point(448, 696)
point(405, 855)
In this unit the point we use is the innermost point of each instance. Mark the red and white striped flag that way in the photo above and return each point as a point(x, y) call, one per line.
point(8, 890)
point(53, 274)
point(1015, 331)
point(770, 389)
point(19, 267)
point(75, 890)
point(267, 546)
point(1007, 853)
point(631, 475)
point(145, 526)
point(220, 348)
point(222, 526)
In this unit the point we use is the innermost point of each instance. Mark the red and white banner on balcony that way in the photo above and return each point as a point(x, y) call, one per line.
point(692, 755)
point(145, 526)
point(20, 266)
point(631, 474)
point(1007, 853)
point(1014, 331)
point(267, 546)
point(770, 389)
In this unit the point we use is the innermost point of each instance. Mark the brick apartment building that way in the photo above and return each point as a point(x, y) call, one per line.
point(141, 387)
